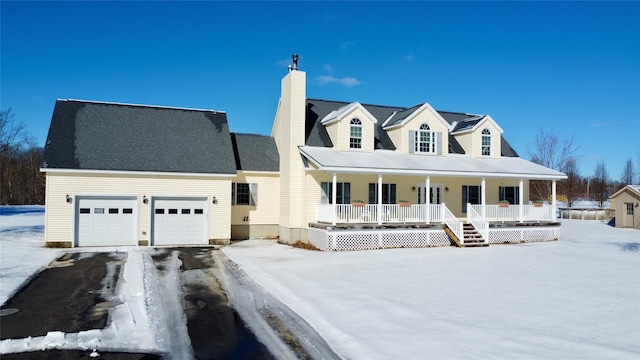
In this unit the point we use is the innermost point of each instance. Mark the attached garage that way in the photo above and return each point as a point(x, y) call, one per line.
point(106, 221)
point(179, 221)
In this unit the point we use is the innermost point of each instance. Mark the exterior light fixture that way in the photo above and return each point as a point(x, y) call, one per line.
point(215, 201)
point(413, 188)
point(69, 199)
point(446, 189)
point(144, 199)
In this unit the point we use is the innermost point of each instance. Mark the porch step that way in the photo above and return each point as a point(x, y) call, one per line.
point(472, 237)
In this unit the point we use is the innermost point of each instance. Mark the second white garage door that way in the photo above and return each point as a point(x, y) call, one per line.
point(180, 221)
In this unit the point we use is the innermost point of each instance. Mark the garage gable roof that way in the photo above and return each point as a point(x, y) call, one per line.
point(88, 135)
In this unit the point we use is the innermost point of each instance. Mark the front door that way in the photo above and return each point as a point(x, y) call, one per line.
point(435, 194)
point(627, 218)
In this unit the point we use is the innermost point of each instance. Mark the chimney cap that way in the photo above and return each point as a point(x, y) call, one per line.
point(295, 62)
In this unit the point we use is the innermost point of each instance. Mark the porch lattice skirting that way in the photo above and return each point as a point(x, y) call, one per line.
point(523, 234)
point(340, 239)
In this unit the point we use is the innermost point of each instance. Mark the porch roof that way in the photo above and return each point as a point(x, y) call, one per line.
point(393, 162)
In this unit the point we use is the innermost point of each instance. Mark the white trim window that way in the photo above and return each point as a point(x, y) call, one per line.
point(486, 142)
point(355, 134)
point(244, 194)
point(425, 141)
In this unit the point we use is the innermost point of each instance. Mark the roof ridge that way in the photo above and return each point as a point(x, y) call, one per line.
point(363, 104)
point(143, 105)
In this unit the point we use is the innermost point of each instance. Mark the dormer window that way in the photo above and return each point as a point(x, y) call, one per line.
point(355, 134)
point(425, 140)
point(486, 142)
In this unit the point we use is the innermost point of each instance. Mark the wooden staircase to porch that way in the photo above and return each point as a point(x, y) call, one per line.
point(472, 237)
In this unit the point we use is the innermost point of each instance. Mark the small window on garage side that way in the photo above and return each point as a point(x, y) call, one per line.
point(244, 194)
point(127, 211)
point(98, 211)
point(173, 211)
point(198, 211)
point(85, 211)
point(113, 210)
point(186, 211)
point(159, 211)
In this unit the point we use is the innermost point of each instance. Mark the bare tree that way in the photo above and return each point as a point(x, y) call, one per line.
point(20, 179)
point(549, 150)
point(600, 184)
point(572, 187)
point(628, 173)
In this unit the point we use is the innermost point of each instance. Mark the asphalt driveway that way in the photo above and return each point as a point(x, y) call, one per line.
point(76, 294)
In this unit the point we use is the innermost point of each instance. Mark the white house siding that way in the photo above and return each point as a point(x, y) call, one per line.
point(290, 135)
point(260, 221)
point(340, 131)
point(466, 142)
point(495, 140)
point(435, 124)
point(59, 219)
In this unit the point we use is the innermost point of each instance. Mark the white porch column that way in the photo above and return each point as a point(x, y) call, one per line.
point(379, 199)
point(553, 200)
point(521, 194)
point(334, 191)
point(483, 197)
point(427, 198)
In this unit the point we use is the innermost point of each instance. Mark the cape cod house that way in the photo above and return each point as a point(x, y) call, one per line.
point(341, 175)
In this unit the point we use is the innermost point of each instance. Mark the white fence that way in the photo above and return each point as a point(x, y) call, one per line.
point(373, 214)
point(513, 212)
point(452, 222)
point(481, 224)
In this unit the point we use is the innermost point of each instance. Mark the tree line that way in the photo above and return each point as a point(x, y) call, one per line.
point(561, 154)
point(21, 182)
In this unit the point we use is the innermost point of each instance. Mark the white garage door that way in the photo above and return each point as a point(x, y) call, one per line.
point(180, 221)
point(106, 221)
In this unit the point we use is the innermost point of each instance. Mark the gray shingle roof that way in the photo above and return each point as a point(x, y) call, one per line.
point(88, 135)
point(316, 134)
point(401, 115)
point(255, 152)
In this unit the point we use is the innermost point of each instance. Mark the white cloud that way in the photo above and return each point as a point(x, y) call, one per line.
point(328, 68)
point(347, 44)
point(409, 57)
point(284, 63)
point(328, 79)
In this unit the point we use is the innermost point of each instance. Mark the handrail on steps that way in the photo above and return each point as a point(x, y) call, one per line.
point(452, 222)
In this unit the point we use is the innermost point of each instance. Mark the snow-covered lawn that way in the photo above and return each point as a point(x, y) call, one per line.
point(575, 298)
point(22, 251)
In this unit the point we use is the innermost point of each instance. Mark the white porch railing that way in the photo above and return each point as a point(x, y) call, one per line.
point(369, 214)
point(481, 224)
point(452, 222)
point(512, 212)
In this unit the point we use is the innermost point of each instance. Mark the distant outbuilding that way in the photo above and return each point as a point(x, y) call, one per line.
point(626, 203)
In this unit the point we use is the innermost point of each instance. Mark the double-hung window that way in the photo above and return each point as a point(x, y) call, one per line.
point(355, 134)
point(470, 195)
point(388, 193)
point(486, 142)
point(343, 193)
point(510, 194)
point(244, 194)
point(425, 140)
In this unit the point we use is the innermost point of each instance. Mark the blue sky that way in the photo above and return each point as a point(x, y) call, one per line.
point(572, 68)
